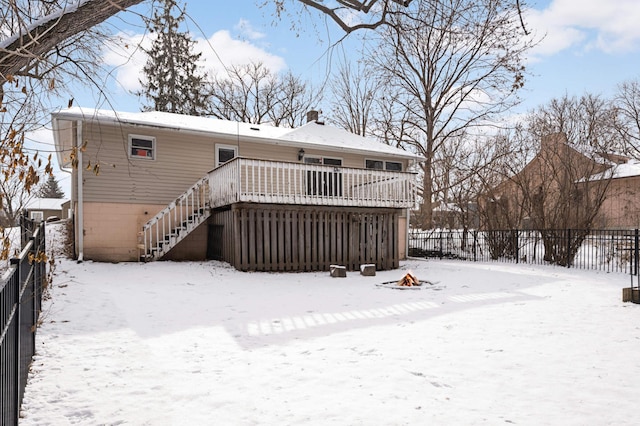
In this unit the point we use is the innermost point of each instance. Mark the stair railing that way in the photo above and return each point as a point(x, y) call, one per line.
point(175, 221)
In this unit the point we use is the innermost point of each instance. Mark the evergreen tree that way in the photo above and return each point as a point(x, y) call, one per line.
point(50, 189)
point(174, 82)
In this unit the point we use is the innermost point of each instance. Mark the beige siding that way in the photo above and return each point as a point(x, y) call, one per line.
point(180, 160)
point(111, 230)
point(402, 237)
point(289, 153)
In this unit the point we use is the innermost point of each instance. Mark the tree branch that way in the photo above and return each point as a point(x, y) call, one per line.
point(360, 6)
point(36, 41)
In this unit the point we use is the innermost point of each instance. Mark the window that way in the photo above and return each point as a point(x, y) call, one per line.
point(37, 216)
point(142, 147)
point(393, 166)
point(374, 164)
point(332, 161)
point(225, 153)
point(323, 160)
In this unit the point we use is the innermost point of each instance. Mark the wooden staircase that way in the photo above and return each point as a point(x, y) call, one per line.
point(171, 225)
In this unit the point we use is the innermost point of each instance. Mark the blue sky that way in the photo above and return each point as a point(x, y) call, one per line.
point(588, 46)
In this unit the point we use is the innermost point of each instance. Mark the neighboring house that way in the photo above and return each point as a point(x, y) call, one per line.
point(621, 207)
point(155, 185)
point(452, 216)
point(46, 208)
point(566, 185)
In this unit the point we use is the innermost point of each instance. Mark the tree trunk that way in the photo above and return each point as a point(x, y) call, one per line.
point(427, 195)
point(43, 38)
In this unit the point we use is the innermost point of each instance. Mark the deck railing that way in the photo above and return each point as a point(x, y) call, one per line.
point(262, 181)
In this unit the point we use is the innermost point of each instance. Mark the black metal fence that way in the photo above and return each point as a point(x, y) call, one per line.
point(20, 303)
point(604, 250)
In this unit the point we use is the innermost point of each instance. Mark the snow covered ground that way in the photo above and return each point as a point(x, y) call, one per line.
point(200, 343)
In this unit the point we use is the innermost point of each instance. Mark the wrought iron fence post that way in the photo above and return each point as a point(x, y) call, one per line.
point(568, 248)
point(16, 368)
point(32, 286)
point(635, 258)
point(517, 245)
point(475, 245)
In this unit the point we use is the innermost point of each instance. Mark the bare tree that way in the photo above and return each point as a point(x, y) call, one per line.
point(295, 98)
point(355, 92)
point(44, 45)
point(565, 184)
point(35, 31)
point(341, 13)
point(589, 120)
point(372, 13)
point(253, 94)
point(627, 103)
point(14, 199)
point(450, 65)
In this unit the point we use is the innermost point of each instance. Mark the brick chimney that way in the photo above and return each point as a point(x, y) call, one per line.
point(553, 141)
point(312, 115)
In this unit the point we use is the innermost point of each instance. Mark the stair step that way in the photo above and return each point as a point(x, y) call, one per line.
point(198, 209)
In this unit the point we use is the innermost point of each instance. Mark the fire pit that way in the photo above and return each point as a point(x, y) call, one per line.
point(408, 282)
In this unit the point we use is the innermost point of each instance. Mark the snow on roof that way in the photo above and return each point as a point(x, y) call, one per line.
point(45, 204)
point(625, 170)
point(321, 135)
point(311, 134)
point(630, 169)
point(171, 121)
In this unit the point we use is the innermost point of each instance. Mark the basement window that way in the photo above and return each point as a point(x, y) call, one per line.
point(143, 147)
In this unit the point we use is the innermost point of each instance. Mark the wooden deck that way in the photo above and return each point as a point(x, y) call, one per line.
point(261, 237)
point(261, 181)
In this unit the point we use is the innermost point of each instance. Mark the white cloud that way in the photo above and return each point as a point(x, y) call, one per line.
point(218, 51)
point(222, 50)
point(245, 28)
point(586, 24)
point(127, 59)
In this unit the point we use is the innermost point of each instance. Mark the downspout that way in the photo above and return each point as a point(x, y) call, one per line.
point(80, 221)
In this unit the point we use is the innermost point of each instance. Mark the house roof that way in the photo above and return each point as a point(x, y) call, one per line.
point(630, 169)
point(311, 134)
point(45, 204)
point(625, 170)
